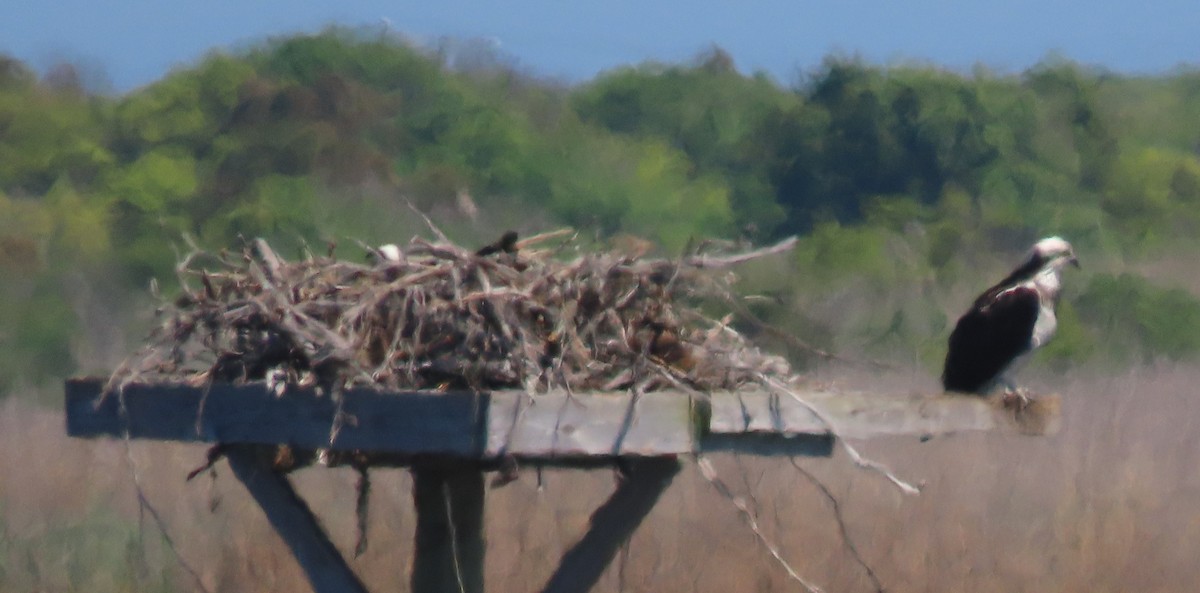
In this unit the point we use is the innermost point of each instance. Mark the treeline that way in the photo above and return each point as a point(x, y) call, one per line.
point(910, 185)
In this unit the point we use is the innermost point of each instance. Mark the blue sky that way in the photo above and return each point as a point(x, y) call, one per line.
point(136, 41)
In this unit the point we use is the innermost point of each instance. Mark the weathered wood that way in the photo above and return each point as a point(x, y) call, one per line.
point(327, 571)
point(449, 543)
point(643, 481)
point(409, 422)
point(866, 415)
point(460, 424)
point(552, 427)
point(760, 423)
point(613, 424)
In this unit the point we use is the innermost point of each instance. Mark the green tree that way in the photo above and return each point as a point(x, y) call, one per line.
point(1152, 321)
point(709, 111)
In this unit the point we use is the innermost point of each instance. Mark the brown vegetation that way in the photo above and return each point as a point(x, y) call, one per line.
point(436, 315)
point(1109, 504)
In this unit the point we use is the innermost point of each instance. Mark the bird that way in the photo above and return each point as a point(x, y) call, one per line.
point(1008, 322)
point(506, 244)
point(389, 253)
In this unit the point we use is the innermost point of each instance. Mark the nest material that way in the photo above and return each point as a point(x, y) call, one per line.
point(444, 317)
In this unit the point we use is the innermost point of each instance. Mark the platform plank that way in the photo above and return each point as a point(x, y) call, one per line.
point(863, 415)
point(550, 426)
point(322, 563)
point(609, 424)
point(460, 424)
point(407, 422)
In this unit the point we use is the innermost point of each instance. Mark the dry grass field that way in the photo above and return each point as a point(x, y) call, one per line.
point(1111, 503)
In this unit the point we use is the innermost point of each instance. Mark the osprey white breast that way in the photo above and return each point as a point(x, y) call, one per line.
point(1008, 321)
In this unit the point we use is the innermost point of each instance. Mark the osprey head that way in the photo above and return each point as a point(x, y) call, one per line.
point(385, 254)
point(1053, 252)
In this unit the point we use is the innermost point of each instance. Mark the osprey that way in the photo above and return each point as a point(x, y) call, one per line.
point(1007, 322)
point(384, 254)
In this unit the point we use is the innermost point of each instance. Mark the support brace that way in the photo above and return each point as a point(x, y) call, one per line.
point(642, 482)
point(293, 521)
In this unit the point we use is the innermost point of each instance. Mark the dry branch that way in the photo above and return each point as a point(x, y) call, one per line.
point(442, 316)
point(710, 474)
point(710, 261)
point(851, 450)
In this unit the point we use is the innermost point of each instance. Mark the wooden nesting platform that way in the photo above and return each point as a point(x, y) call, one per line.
point(549, 428)
point(450, 439)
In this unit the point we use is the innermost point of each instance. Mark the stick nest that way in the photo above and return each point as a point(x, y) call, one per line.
point(434, 315)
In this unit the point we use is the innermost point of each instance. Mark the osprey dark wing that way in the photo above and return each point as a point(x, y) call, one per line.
point(989, 337)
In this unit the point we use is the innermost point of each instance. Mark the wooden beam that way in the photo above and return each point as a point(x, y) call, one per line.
point(608, 424)
point(327, 571)
point(551, 427)
point(449, 543)
point(861, 415)
point(410, 422)
point(458, 424)
point(761, 423)
point(642, 482)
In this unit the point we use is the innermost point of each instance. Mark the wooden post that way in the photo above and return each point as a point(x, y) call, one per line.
point(327, 571)
point(449, 547)
point(611, 525)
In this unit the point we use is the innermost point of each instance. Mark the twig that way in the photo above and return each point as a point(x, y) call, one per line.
point(445, 317)
point(745, 313)
point(271, 262)
point(710, 474)
point(298, 323)
point(534, 240)
point(825, 419)
point(429, 223)
point(841, 523)
point(211, 457)
point(363, 493)
point(144, 501)
point(458, 575)
point(709, 261)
